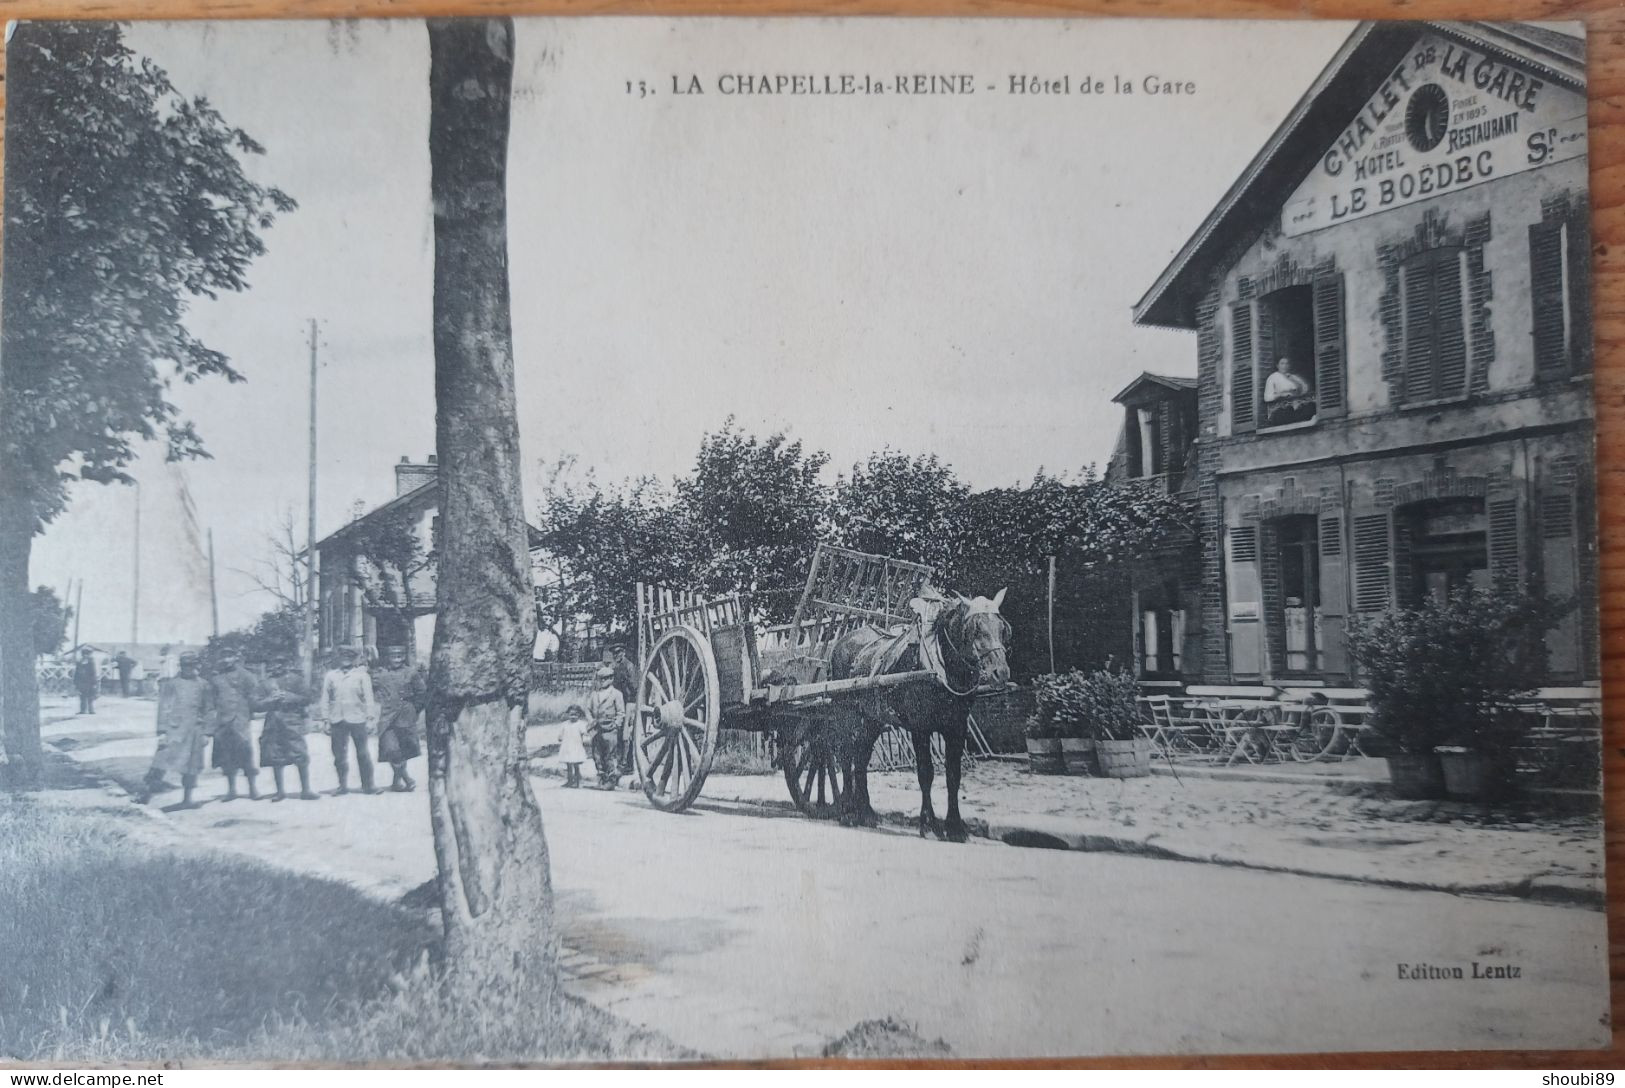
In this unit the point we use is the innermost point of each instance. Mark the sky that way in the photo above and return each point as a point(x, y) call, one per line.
point(949, 274)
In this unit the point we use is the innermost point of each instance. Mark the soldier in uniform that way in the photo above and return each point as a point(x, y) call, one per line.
point(86, 681)
point(286, 702)
point(401, 693)
point(185, 713)
point(237, 694)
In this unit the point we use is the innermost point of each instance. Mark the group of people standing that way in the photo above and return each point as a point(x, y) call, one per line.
point(353, 702)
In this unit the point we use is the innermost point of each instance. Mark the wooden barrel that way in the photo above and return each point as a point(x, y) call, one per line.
point(1124, 758)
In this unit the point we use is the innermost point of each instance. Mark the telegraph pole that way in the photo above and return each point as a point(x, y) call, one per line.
point(1052, 614)
point(135, 582)
point(214, 599)
point(310, 526)
point(78, 608)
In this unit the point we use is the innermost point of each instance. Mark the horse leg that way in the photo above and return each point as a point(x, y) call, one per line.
point(843, 737)
point(922, 768)
point(954, 742)
point(863, 812)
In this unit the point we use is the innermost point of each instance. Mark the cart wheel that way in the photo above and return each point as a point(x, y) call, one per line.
point(811, 770)
point(678, 714)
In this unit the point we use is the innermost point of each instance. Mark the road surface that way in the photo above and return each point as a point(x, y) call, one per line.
point(747, 935)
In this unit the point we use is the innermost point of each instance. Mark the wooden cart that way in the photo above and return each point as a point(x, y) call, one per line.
point(706, 666)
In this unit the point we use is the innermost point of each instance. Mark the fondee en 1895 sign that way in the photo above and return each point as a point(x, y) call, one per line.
point(1447, 117)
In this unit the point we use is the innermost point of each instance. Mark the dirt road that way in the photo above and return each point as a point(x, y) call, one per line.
point(746, 935)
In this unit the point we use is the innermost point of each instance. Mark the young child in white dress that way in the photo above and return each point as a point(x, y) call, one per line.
point(571, 750)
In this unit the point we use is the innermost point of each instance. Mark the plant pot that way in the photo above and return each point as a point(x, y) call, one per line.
point(1416, 776)
point(1078, 753)
point(1044, 755)
point(1124, 758)
point(1471, 775)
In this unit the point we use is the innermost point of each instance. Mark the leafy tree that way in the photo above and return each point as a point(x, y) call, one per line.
point(394, 566)
point(124, 201)
point(276, 636)
point(905, 507)
point(51, 618)
point(754, 509)
point(603, 540)
point(496, 892)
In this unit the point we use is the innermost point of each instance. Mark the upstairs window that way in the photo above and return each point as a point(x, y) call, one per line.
point(1287, 356)
point(1433, 311)
point(1560, 293)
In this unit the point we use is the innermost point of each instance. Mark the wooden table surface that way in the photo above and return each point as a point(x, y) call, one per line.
point(1606, 25)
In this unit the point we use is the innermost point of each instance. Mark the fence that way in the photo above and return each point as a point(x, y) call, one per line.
point(564, 675)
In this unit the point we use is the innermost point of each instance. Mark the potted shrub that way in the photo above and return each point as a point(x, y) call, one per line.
point(1060, 703)
point(1044, 746)
point(1442, 678)
point(1110, 703)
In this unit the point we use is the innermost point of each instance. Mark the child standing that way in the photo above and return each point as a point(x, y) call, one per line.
point(571, 751)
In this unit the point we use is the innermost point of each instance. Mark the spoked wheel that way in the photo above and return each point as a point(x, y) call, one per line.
point(1319, 737)
point(678, 714)
point(811, 770)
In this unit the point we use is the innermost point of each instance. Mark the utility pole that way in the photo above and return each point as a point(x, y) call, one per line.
point(309, 668)
point(1052, 614)
point(135, 581)
point(78, 607)
point(214, 599)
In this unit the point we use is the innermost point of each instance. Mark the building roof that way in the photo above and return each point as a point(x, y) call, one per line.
point(1338, 93)
point(1166, 381)
point(419, 498)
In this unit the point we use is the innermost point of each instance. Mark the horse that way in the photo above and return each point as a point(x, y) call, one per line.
point(964, 641)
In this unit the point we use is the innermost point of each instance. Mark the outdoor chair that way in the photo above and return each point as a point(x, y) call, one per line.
point(1170, 733)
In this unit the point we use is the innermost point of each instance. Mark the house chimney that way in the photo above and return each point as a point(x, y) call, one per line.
point(410, 477)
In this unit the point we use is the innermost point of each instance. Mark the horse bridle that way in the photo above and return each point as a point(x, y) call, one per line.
point(946, 628)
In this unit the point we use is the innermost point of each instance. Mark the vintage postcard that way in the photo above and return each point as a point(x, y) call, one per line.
point(643, 539)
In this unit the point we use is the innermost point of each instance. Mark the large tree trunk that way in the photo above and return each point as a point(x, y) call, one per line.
point(495, 888)
point(21, 760)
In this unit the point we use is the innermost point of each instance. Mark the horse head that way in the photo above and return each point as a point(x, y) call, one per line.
point(972, 637)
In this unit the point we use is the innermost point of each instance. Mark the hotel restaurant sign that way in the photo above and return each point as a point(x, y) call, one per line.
point(1445, 118)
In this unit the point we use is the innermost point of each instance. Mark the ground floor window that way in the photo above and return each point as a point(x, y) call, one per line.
point(1448, 545)
point(1161, 632)
point(1297, 620)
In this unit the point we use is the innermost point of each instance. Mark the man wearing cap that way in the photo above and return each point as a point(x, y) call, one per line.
point(286, 701)
point(184, 714)
point(236, 694)
point(351, 712)
point(402, 694)
point(86, 681)
point(605, 710)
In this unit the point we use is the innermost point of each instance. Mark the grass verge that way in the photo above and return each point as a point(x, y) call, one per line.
point(118, 947)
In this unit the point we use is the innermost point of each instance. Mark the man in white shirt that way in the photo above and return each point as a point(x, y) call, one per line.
point(350, 710)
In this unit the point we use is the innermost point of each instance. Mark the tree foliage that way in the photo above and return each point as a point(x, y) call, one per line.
point(754, 509)
point(275, 636)
point(907, 507)
point(1445, 672)
point(50, 620)
point(124, 201)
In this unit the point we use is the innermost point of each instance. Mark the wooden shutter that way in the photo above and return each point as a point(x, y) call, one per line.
point(1333, 596)
point(1450, 347)
point(1546, 290)
point(1243, 367)
point(1579, 270)
point(1506, 553)
point(1329, 351)
point(1560, 574)
point(1246, 603)
point(1419, 311)
point(1373, 570)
